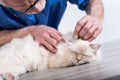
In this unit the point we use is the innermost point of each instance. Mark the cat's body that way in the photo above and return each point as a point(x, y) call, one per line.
point(22, 55)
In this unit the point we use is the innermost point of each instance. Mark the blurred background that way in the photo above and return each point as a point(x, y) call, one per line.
point(111, 25)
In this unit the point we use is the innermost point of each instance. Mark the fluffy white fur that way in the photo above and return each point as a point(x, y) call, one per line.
point(25, 54)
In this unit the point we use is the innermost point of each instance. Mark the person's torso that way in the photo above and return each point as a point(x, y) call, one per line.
point(51, 16)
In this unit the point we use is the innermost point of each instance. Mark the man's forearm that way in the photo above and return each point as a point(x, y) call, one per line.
point(8, 35)
point(95, 8)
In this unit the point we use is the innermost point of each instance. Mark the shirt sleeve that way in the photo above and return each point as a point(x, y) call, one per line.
point(81, 3)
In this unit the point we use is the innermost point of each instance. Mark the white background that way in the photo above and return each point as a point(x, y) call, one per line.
point(111, 25)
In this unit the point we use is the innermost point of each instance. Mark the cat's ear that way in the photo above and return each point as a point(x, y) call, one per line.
point(95, 46)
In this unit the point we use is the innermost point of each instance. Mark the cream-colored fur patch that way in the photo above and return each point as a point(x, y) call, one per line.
point(25, 54)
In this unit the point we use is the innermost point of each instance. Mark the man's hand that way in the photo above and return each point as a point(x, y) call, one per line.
point(88, 28)
point(47, 37)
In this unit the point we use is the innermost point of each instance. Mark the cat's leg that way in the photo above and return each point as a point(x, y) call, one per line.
point(42, 66)
point(37, 67)
point(9, 76)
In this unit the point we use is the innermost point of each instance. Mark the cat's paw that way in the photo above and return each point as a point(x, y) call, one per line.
point(8, 76)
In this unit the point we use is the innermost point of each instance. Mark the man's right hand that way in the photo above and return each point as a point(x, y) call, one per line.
point(46, 36)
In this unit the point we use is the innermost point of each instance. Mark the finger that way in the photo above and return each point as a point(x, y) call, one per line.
point(51, 41)
point(56, 31)
point(85, 29)
point(61, 36)
point(57, 37)
point(48, 46)
point(79, 26)
point(59, 33)
point(96, 33)
point(90, 33)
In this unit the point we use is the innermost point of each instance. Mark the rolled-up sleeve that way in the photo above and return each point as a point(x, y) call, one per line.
point(81, 3)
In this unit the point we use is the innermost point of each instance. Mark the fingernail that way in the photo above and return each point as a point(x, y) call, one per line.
point(54, 51)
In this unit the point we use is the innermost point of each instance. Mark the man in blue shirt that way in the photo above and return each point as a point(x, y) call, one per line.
point(22, 17)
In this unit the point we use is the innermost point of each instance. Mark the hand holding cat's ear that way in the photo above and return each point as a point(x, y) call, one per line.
point(88, 28)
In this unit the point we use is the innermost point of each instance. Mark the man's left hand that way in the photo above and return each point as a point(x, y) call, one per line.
point(88, 28)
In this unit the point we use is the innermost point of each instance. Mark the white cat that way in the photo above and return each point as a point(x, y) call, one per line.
point(25, 54)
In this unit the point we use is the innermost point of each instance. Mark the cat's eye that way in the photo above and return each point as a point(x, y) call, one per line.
point(81, 58)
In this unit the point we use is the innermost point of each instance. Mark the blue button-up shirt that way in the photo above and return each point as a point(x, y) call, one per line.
point(51, 15)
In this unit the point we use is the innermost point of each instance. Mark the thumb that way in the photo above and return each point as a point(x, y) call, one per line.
point(75, 36)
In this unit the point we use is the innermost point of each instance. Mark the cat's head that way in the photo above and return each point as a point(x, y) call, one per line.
point(82, 51)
